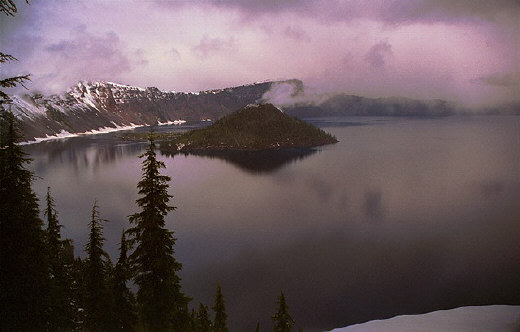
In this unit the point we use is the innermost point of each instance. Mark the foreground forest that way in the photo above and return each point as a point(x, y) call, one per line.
point(44, 287)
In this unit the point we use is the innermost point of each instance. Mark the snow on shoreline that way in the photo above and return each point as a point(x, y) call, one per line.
point(102, 130)
point(175, 122)
point(493, 318)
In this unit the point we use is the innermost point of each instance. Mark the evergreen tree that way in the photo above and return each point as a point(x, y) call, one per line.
point(53, 233)
point(8, 7)
point(125, 311)
point(10, 82)
point(24, 277)
point(61, 258)
point(97, 296)
point(219, 307)
point(193, 320)
point(161, 303)
point(79, 295)
point(203, 322)
point(283, 322)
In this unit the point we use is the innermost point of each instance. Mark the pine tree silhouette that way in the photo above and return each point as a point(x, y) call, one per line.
point(125, 310)
point(203, 322)
point(220, 324)
point(8, 7)
point(61, 259)
point(98, 316)
point(24, 274)
point(162, 305)
point(283, 322)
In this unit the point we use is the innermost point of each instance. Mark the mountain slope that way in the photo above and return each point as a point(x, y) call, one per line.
point(94, 105)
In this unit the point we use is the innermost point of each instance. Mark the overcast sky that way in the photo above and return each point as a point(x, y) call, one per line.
point(460, 50)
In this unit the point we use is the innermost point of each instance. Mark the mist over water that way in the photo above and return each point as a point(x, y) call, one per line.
point(401, 216)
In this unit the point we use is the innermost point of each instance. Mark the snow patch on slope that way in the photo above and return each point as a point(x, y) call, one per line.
point(66, 134)
point(24, 108)
point(101, 130)
point(174, 122)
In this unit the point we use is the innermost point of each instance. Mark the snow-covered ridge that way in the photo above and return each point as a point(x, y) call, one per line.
point(98, 94)
point(494, 318)
point(104, 93)
point(92, 107)
point(26, 108)
point(99, 88)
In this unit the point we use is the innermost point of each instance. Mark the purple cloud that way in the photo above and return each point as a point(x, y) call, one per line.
point(175, 53)
point(210, 46)
point(250, 7)
point(297, 33)
point(390, 11)
point(419, 49)
point(105, 51)
point(378, 53)
point(448, 10)
point(81, 56)
point(99, 55)
point(139, 58)
point(501, 80)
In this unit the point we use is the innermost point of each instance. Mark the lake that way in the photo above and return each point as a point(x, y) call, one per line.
point(402, 216)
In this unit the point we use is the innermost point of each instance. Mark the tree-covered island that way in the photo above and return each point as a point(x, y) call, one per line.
point(253, 127)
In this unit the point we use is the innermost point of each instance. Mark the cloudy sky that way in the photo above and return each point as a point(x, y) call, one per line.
point(464, 50)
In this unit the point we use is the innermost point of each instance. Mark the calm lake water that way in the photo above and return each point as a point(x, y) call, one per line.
point(402, 216)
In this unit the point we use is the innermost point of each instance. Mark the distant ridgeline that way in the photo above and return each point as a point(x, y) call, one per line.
point(106, 106)
point(253, 127)
point(102, 106)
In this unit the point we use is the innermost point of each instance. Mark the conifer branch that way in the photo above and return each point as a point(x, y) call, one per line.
point(8, 7)
point(7, 57)
point(12, 82)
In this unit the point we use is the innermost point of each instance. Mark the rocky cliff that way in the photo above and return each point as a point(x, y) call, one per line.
point(96, 105)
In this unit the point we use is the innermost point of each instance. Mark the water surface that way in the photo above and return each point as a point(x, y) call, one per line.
point(403, 215)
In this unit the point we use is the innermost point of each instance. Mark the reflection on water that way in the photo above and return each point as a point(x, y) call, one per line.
point(373, 206)
point(401, 216)
point(264, 161)
point(81, 153)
